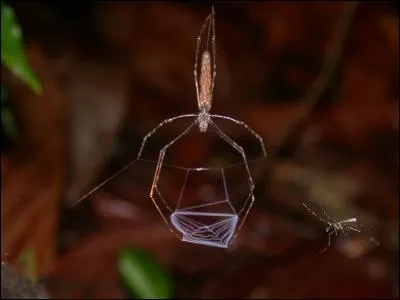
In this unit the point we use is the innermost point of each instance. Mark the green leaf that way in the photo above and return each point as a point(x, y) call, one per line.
point(7, 119)
point(12, 49)
point(3, 96)
point(28, 260)
point(8, 123)
point(143, 276)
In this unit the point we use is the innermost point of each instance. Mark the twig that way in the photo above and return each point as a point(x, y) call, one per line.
point(320, 84)
point(311, 97)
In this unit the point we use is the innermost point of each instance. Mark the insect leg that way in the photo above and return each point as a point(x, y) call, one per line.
point(315, 215)
point(353, 228)
point(329, 242)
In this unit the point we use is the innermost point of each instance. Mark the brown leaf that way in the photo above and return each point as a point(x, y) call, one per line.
point(34, 172)
point(90, 268)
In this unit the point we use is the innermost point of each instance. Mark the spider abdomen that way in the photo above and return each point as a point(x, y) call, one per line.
point(205, 96)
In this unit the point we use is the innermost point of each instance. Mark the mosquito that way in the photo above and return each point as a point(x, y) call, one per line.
point(204, 85)
point(334, 227)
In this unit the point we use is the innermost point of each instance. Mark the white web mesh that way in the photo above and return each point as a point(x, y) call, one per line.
point(217, 232)
point(212, 223)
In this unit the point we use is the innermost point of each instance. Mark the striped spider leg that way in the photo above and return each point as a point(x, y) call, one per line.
point(204, 93)
point(334, 227)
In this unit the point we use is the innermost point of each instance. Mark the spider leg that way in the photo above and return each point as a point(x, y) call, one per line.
point(157, 174)
point(238, 148)
point(213, 46)
point(256, 135)
point(133, 160)
point(196, 80)
point(158, 127)
point(250, 179)
point(195, 70)
point(246, 208)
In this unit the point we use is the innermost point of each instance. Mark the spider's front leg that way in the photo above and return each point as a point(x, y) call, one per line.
point(237, 147)
point(164, 150)
point(246, 208)
point(160, 161)
point(129, 164)
point(241, 123)
point(158, 127)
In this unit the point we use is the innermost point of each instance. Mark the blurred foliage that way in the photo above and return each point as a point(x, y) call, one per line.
point(144, 278)
point(12, 49)
point(7, 119)
point(13, 57)
point(28, 261)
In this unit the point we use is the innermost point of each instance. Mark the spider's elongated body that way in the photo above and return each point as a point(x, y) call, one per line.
point(203, 119)
point(205, 94)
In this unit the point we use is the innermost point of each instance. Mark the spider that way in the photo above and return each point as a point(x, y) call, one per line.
point(204, 119)
point(334, 226)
